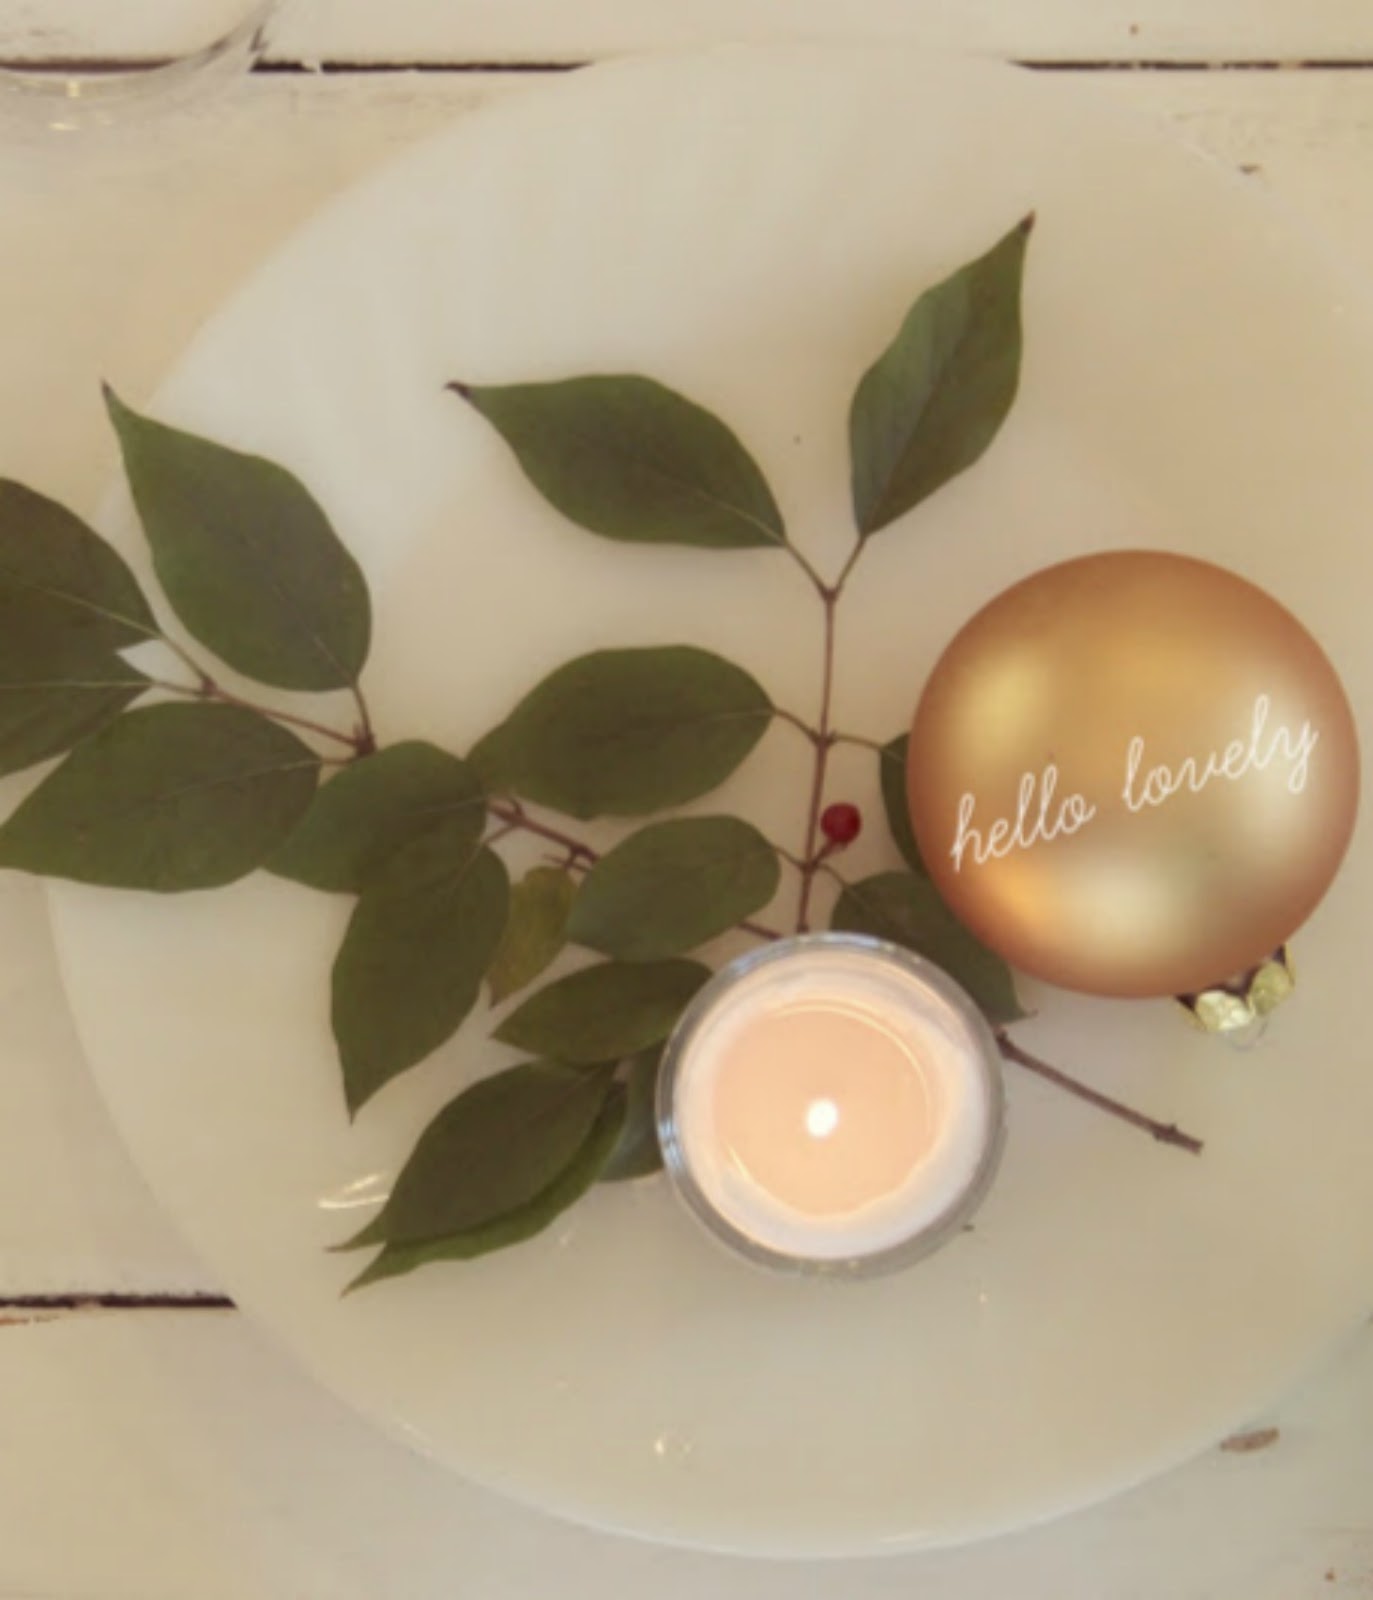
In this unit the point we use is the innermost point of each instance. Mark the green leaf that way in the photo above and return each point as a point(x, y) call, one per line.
point(373, 807)
point(517, 1226)
point(535, 932)
point(604, 1013)
point(936, 398)
point(627, 732)
point(420, 939)
point(892, 767)
point(59, 581)
point(54, 694)
point(638, 1153)
point(632, 460)
point(491, 1151)
point(905, 909)
point(672, 886)
point(246, 556)
point(168, 797)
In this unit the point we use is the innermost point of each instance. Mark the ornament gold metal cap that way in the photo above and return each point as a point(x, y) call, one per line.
point(1246, 1001)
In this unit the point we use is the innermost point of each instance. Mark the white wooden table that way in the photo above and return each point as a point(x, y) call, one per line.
point(152, 1444)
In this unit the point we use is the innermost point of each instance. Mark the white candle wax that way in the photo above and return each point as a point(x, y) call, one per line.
point(831, 1100)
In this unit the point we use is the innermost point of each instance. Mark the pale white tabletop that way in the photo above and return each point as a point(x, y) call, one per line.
point(152, 1444)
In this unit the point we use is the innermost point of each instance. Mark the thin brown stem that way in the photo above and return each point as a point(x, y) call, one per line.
point(817, 582)
point(782, 854)
point(208, 689)
point(366, 740)
point(1164, 1132)
point(759, 930)
point(846, 570)
point(578, 856)
point(799, 723)
point(513, 814)
point(186, 659)
point(822, 865)
point(811, 855)
point(861, 742)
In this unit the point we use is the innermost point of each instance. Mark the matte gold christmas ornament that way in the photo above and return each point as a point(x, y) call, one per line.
point(1134, 774)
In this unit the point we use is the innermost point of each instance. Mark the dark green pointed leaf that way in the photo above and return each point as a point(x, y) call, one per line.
point(627, 732)
point(492, 1150)
point(672, 886)
point(632, 460)
point(905, 909)
point(60, 581)
point(936, 398)
point(54, 694)
point(638, 1153)
point(419, 942)
point(892, 766)
point(516, 1226)
point(168, 797)
point(246, 556)
point(535, 932)
point(604, 1013)
point(372, 808)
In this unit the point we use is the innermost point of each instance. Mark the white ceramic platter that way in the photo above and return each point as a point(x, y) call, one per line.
point(749, 226)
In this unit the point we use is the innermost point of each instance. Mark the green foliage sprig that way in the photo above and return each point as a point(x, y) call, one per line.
point(198, 787)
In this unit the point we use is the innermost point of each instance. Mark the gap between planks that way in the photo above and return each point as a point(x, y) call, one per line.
point(74, 66)
point(19, 1311)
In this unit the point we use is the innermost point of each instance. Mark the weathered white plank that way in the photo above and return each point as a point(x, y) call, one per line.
point(542, 30)
point(167, 1456)
point(1305, 137)
point(112, 249)
point(73, 1214)
point(1043, 29)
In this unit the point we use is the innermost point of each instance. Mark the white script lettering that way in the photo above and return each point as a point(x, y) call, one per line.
point(1033, 822)
point(1041, 817)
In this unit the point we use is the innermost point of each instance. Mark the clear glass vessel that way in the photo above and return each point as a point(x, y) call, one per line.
point(70, 67)
point(804, 1083)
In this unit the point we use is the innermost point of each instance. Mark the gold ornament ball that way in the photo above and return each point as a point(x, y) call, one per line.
point(1133, 774)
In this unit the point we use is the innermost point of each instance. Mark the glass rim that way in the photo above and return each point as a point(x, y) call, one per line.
point(89, 97)
point(926, 1239)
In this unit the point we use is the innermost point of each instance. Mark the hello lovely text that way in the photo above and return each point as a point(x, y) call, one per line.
point(1043, 815)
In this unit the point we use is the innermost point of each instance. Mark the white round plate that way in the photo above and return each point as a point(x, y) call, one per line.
point(749, 227)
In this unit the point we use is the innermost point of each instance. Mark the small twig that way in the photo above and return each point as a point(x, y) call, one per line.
point(818, 583)
point(184, 657)
point(811, 855)
point(863, 744)
point(822, 865)
point(366, 739)
point(208, 689)
point(846, 570)
point(799, 723)
point(515, 816)
point(578, 856)
point(786, 855)
point(823, 736)
point(1164, 1132)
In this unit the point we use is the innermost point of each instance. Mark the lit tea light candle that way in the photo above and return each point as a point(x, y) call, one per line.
point(832, 1104)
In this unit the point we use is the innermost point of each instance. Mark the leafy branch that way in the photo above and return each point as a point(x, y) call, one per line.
point(208, 783)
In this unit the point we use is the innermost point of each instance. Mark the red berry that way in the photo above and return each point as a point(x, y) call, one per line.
point(841, 823)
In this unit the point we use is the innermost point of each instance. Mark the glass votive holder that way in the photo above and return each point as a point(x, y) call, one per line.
point(832, 1105)
point(125, 63)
